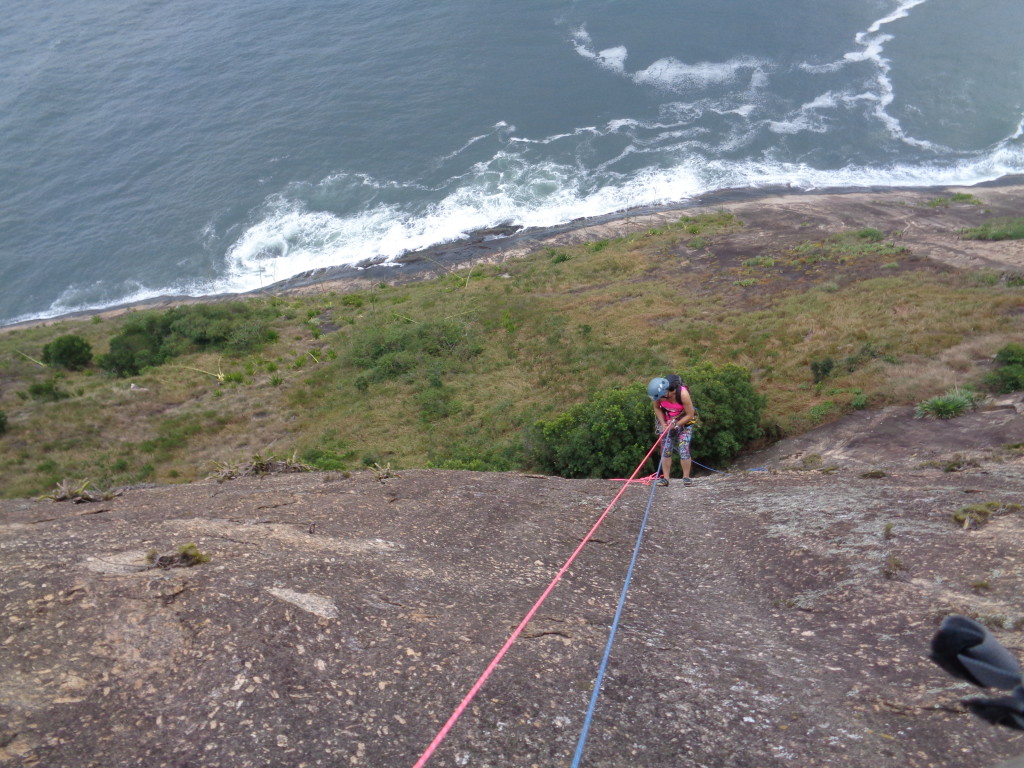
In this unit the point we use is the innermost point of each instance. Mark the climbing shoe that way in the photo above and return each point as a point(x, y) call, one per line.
point(662, 481)
point(687, 481)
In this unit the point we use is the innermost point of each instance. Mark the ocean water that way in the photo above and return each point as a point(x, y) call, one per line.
point(157, 147)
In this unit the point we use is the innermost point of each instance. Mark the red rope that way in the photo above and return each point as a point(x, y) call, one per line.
point(526, 620)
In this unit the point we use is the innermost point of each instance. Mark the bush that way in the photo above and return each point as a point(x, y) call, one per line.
point(397, 349)
point(1009, 378)
point(730, 411)
point(330, 454)
point(1009, 375)
point(955, 402)
point(1011, 354)
point(606, 436)
point(822, 369)
point(610, 433)
point(150, 339)
point(47, 391)
point(70, 351)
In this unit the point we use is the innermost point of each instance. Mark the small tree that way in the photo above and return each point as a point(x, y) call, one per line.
point(70, 351)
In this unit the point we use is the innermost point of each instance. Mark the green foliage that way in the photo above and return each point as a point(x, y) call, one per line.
point(965, 197)
point(1007, 378)
point(47, 391)
point(150, 339)
point(955, 402)
point(1002, 228)
point(3, 423)
point(330, 453)
point(1009, 373)
point(69, 351)
point(730, 411)
point(606, 436)
point(479, 455)
point(845, 246)
point(976, 515)
point(174, 433)
point(822, 369)
point(821, 411)
point(1011, 354)
point(827, 366)
point(612, 431)
point(436, 402)
point(399, 348)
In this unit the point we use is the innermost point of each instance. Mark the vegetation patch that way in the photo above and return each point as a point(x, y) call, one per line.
point(1009, 373)
point(955, 402)
point(258, 466)
point(79, 491)
point(1000, 228)
point(184, 556)
point(454, 372)
point(977, 515)
point(69, 351)
point(845, 246)
point(151, 338)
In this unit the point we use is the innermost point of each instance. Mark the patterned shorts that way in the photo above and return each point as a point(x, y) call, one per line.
point(676, 441)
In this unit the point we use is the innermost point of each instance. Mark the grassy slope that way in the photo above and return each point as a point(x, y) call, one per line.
point(538, 334)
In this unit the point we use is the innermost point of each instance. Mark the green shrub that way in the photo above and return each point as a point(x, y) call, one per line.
point(729, 408)
point(822, 369)
point(436, 402)
point(1009, 373)
point(606, 436)
point(330, 454)
point(611, 432)
point(47, 391)
point(1011, 354)
point(955, 402)
point(69, 351)
point(151, 338)
point(398, 348)
point(1008, 378)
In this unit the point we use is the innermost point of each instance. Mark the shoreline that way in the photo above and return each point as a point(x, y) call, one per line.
point(499, 244)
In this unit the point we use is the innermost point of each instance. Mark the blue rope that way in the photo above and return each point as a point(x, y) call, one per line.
point(611, 638)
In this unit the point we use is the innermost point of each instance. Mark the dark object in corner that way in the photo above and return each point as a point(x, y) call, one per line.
point(967, 650)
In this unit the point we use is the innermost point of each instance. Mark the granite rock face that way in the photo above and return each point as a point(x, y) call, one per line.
point(779, 615)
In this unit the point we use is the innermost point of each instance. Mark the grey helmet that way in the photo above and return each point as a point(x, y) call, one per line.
point(657, 388)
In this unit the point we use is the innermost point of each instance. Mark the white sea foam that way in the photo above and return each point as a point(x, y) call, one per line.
point(290, 240)
point(900, 13)
point(674, 75)
point(613, 58)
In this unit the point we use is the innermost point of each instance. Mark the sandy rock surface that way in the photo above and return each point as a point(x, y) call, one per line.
point(779, 614)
